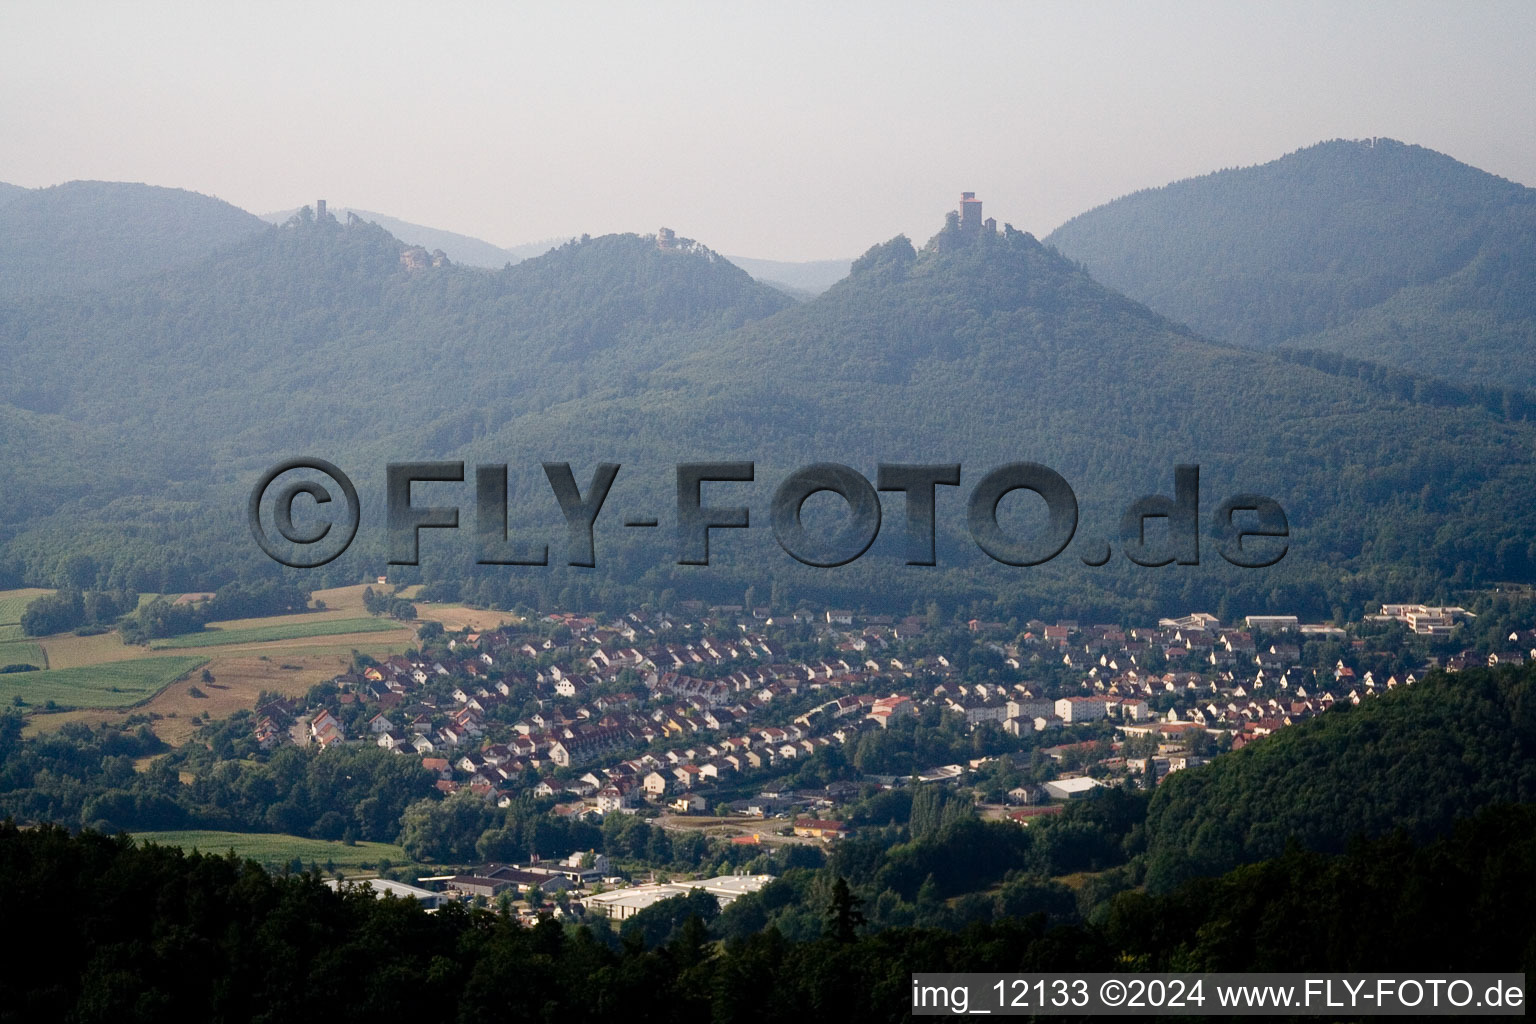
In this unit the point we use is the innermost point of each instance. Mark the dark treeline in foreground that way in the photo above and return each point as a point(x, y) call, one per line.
point(124, 933)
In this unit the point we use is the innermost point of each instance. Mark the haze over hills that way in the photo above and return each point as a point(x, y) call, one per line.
point(231, 360)
point(321, 338)
point(226, 336)
point(803, 278)
point(95, 234)
point(812, 276)
point(461, 248)
point(1374, 249)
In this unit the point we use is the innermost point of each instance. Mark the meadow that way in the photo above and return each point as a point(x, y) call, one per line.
point(176, 711)
point(21, 652)
point(114, 685)
point(14, 602)
point(98, 680)
point(274, 849)
point(215, 637)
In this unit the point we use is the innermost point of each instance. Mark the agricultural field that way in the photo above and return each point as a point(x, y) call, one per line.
point(274, 850)
point(339, 604)
point(175, 712)
point(277, 630)
point(328, 605)
point(21, 652)
point(98, 686)
point(286, 654)
point(341, 600)
point(66, 650)
point(14, 602)
point(344, 602)
point(455, 616)
point(452, 616)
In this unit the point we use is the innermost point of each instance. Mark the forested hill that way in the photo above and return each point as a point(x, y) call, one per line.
point(10, 193)
point(235, 350)
point(465, 249)
point(333, 339)
point(319, 336)
point(98, 234)
point(1373, 248)
point(1415, 760)
point(999, 349)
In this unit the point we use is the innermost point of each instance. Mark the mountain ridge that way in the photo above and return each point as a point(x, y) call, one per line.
point(1375, 248)
point(799, 277)
point(651, 351)
point(89, 234)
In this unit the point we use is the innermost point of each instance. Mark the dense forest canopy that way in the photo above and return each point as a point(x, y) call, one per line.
point(98, 234)
point(144, 412)
point(1416, 762)
point(1372, 248)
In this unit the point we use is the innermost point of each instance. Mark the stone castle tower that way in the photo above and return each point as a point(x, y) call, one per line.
point(970, 215)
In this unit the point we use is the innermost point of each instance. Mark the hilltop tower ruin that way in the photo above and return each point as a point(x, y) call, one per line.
point(970, 215)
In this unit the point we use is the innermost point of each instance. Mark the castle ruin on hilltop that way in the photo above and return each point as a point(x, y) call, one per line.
point(970, 223)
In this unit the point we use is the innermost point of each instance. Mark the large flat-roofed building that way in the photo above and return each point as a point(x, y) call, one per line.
point(624, 903)
point(1082, 709)
point(382, 887)
point(544, 881)
point(1426, 620)
point(480, 885)
point(1070, 789)
point(1272, 623)
point(1196, 620)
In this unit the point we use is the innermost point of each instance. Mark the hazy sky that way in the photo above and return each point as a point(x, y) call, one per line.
point(780, 130)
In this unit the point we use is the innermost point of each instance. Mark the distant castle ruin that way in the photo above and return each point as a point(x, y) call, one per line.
point(964, 227)
point(971, 224)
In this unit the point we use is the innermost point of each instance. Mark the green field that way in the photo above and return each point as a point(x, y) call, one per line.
point(291, 631)
point(11, 631)
point(12, 606)
point(114, 684)
point(21, 652)
point(274, 849)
